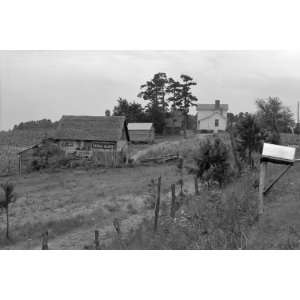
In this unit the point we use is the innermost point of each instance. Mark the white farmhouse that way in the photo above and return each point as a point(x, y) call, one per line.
point(212, 117)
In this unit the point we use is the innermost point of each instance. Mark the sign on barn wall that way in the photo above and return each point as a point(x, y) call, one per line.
point(279, 154)
point(102, 146)
point(67, 144)
point(84, 153)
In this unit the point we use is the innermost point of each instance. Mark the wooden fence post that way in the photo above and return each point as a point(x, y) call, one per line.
point(45, 241)
point(196, 185)
point(20, 164)
point(117, 226)
point(180, 166)
point(157, 204)
point(262, 177)
point(97, 243)
point(173, 208)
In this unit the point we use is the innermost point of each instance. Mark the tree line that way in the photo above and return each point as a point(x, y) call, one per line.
point(163, 95)
point(40, 124)
point(249, 131)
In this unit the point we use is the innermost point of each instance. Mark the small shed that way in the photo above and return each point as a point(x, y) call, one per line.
point(26, 158)
point(37, 156)
point(141, 132)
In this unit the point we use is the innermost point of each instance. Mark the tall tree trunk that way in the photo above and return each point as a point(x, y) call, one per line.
point(7, 223)
point(185, 125)
point(164, 113)
point(234, 151)
point(250, 157)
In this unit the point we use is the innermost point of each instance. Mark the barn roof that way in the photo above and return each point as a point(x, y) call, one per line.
point(93, 128)
point(211, 107)
point(139, 126)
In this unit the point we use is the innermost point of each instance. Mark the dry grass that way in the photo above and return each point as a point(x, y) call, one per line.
point(181, 146)
point(280, 226)
point(216, 219)
point(71, 199)
point(71, 204)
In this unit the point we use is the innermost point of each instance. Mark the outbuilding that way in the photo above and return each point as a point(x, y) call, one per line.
point(98, 138)
point(141, 132)
point(102, 138)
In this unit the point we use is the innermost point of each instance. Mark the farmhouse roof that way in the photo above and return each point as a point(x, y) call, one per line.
point(211, 107)
point(92, 128)
point(139, 126)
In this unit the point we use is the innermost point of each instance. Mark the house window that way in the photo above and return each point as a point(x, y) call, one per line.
point(216, 123)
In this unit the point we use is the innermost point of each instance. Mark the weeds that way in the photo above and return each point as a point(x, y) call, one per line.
point(213, 220)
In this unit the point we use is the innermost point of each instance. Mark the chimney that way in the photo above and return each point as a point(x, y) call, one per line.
point(217, 105)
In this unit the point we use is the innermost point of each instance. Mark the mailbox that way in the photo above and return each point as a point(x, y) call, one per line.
point(278, 154)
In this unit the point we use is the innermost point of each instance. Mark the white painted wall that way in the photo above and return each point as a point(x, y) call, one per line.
point(209, 123)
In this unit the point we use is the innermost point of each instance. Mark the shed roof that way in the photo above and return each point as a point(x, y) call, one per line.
point(211, 107)
point(139, 126)
point(28, 148)
point(91, 128)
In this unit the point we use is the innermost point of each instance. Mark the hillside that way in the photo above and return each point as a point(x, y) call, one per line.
point(24, 137)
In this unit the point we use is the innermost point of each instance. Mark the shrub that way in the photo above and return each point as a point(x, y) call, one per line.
point(250, 137)
point(212, 162)
point(131, 209)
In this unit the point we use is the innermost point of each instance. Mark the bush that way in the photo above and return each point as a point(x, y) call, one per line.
point(250, 137)
point(212, 162)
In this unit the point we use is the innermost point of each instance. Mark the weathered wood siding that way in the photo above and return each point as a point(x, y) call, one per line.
point(108, 154)
point(103, 153)
point(26, 159)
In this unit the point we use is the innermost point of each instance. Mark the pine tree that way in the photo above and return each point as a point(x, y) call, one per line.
point(154, 91)
point(185, 99)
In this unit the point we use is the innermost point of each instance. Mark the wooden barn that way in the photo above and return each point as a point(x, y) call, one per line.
point(104, 139)
point(141, 132)
point(101, 139)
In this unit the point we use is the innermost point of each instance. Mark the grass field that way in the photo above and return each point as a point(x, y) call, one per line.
point(72, 203)
point(80, 201)
point(279, 227)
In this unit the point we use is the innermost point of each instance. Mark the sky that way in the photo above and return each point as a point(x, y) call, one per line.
point(48, 84)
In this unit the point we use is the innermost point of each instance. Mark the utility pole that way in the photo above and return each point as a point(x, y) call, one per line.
point(297, 129)
point(1, 114)
point(298, 113)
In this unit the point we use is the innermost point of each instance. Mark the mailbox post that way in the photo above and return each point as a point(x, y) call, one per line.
point(273, 154)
